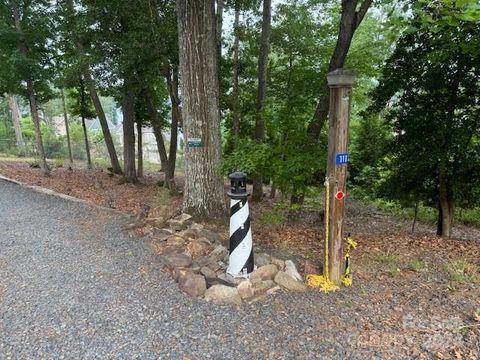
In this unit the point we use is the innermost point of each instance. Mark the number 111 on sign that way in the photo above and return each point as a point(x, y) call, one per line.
point(341, 159)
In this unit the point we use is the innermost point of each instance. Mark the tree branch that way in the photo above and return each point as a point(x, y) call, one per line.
point(360, 14)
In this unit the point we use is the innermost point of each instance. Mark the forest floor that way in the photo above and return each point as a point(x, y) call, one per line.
point(413, 295)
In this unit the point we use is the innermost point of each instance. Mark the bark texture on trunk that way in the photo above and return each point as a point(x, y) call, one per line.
point(172, 83)
point(139, 150)
point(350, 19)
point(446, 205)
point(32, 99)
point(218, 29)
point(129, 173)
point(67, 129)
point(156, 126)
point(203, 193)
point(85, 133)
point(257, 193)
point(236, 87)
point(36, 124)
point(15, 112)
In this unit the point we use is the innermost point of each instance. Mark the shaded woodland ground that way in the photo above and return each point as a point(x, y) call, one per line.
point(414, 292)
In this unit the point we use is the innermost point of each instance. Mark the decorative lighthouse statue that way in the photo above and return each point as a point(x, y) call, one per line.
point(241, 245)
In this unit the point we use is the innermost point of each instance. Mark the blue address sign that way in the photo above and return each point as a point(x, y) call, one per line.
point(341, 159)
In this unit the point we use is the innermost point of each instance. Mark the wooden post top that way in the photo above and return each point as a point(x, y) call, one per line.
point(341, 77)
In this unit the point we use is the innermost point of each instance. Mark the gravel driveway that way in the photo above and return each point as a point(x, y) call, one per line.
point(74, 285)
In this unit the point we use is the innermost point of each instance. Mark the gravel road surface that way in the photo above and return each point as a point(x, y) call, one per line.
point(74, 285)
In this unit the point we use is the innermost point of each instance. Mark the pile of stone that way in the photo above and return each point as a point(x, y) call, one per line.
point(197, 260)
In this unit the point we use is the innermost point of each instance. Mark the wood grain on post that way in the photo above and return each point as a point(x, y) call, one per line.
point(340, 82)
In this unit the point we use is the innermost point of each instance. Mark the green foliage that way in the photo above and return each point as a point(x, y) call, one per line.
point(431, 86)
point(417, 265)
point(249, 157)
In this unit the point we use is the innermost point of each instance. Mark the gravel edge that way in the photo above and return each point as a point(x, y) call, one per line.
point(50, 192)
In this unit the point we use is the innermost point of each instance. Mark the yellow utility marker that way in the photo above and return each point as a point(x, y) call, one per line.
point(322, 281)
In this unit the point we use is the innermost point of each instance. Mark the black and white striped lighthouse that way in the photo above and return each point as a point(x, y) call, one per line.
point(241, 245)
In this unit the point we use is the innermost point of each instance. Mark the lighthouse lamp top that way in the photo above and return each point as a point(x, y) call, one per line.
point(341, 77)
point(238, 182)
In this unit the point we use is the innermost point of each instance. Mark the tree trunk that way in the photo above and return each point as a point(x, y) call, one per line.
point(172, 83)
point(236, 88)
point(203, 193)
point(67, 130)
point(85, 133)
point(94, 95)
point(218, 29)
point(104, 124)
point(22, 45)
point(12, 102)
point(139, 149)
point(415, 216)
point(350, 20)
point(157, 128)
point(273, 191)
point(36, 123)
point(129, 173)
point(257, 193)
point(446, 205)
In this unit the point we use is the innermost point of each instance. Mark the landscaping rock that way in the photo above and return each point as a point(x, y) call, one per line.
point(245, 289)
point(291, 270)
point(216, 281)
point(158, 222)
point(177, 260)
point(198, 248)
point(210, 235)
point(193, 284)
point(262, 259)
point(180, 222)
point(163, 249)
point(221, 294)
point(160, 235)
point(188, 234)
point(288, 282)
point(207, 272)
point(201, 261)
point(226, 277)
point(179, 273)
point(261, 286)
point(266, 272)
point(219, 253)
point(175, 240)
point(273, 290)
point(196, 227)
point(280, 263)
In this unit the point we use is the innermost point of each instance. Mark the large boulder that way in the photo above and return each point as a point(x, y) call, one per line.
point(221, 294)
point(288, 282)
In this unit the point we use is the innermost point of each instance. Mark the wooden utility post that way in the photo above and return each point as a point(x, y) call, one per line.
point(340, 82)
